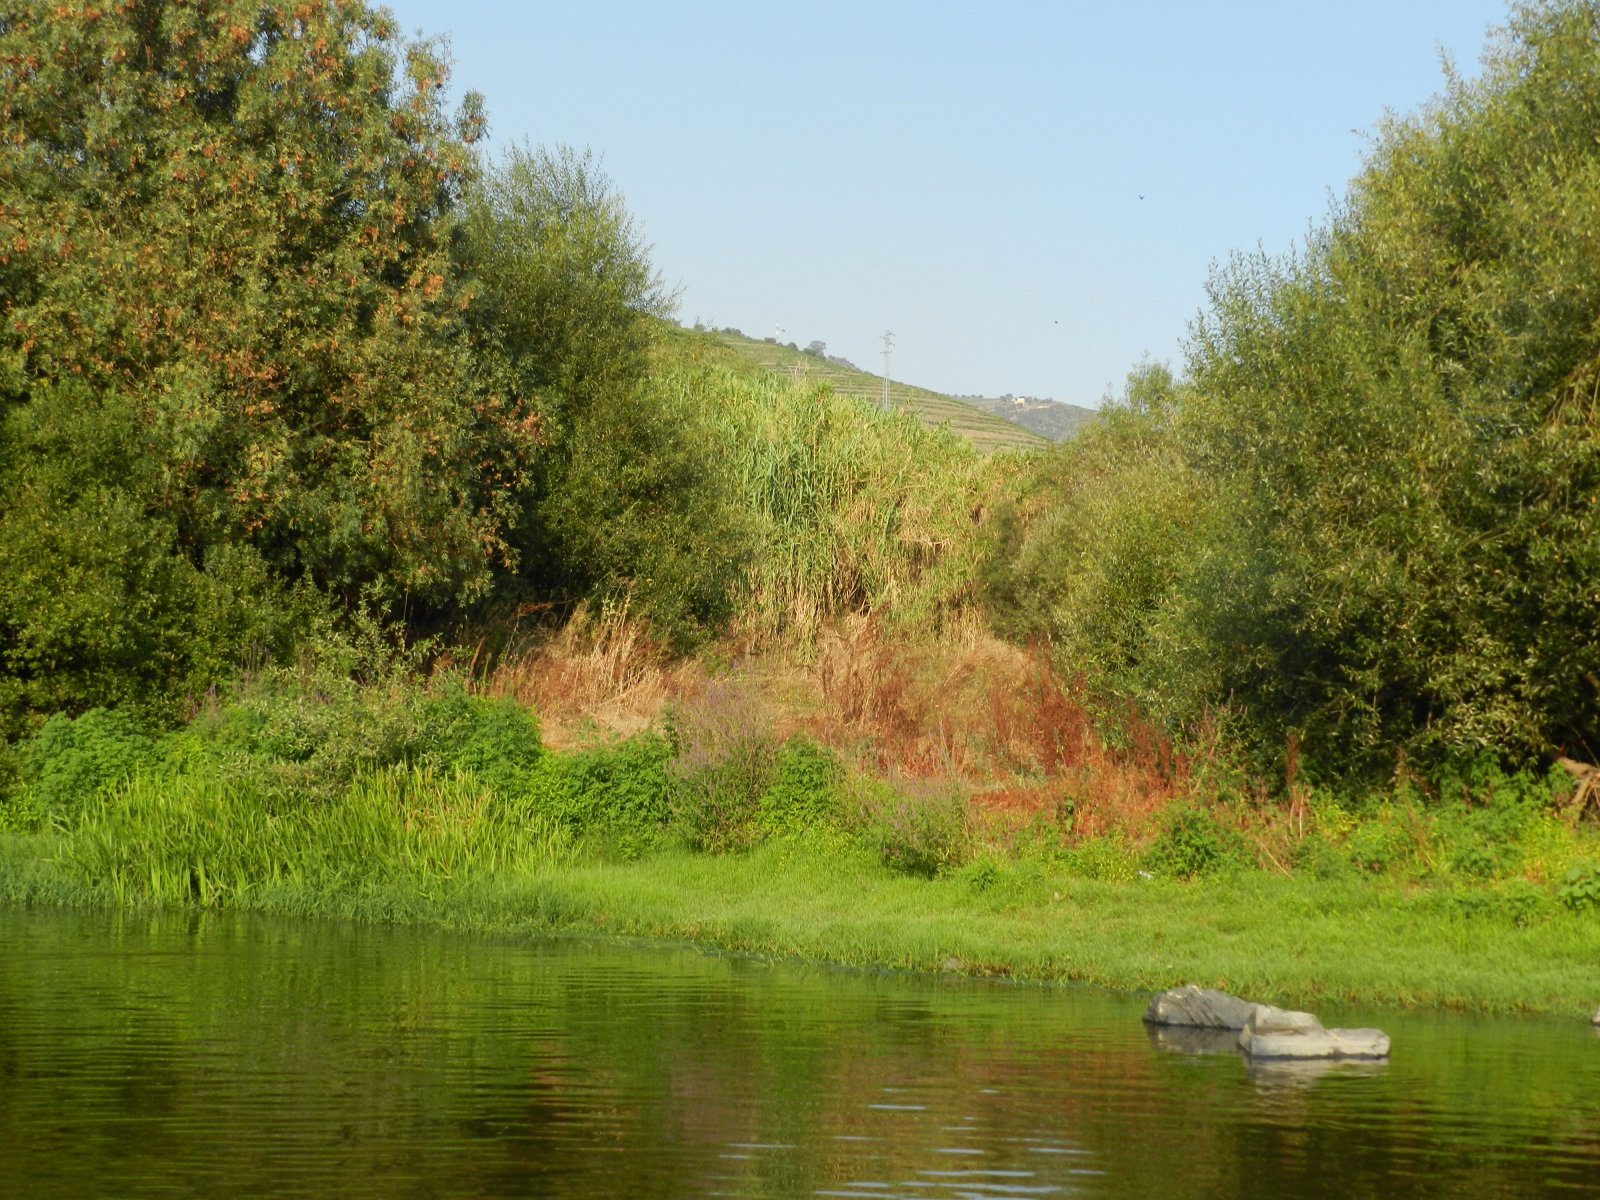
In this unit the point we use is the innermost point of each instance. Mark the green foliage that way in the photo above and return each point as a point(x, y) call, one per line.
point(1472, 824)
point(200, 838)
point(313, 729)
point(1384, 841)
point(640, 504)
point(233, 372)
point(615, 790)
point(1091, 556)
point(724, 761)
point(225, 225)
point(100, 604)
point(1515, 902)
point(69, 764)
point(850, 509)
point(803, 795)
point(1194, 843)
point(1366, 520)
point(1580, 887)
point(565, 286)
point(916, 827)
point(1107, 858)
point(1402, 420)
point(634, 495)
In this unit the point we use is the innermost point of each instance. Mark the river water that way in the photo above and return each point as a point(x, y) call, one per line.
point(222, 1055)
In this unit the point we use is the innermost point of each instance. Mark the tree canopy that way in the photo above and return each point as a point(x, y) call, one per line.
point(1384, 457)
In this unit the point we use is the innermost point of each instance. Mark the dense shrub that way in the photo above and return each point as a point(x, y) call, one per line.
point(226, 226)
point(918, 827)
point(1402, 417)
point(1364, 522)
point(1089, 560)
point(633, 492)
point(1194, 843)
point(315, 728)
point(724, 760)
point(69, 764)
point(803, 796)
point(615, 789)
point(1580, 887)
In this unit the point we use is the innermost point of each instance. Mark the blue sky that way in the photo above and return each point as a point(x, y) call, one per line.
point(1031, 195)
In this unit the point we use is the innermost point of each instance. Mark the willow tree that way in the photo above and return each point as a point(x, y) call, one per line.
point(1404, 420)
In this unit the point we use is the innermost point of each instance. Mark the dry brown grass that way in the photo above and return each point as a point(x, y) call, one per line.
point(969, 711)
point(597, 675)
point(1000, 720)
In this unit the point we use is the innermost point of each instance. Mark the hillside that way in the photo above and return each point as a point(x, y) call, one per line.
point(1054, 419)
point(984, 430)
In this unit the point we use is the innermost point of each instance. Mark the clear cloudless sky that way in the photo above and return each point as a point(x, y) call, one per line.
point(1030, 195)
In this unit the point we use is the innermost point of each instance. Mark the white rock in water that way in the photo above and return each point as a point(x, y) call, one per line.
point(1202, 1008)
point(1278, 1033)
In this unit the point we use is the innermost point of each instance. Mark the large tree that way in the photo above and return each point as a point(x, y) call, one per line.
point(1404, 421)
point(229, 334)
point(225, 218)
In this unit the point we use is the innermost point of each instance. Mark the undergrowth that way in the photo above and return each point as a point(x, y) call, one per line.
point(975, 763)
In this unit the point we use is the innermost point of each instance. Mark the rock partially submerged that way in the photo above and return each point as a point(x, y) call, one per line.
point(1198, 1007)
point(1265, 1032)
point(1277, 1033)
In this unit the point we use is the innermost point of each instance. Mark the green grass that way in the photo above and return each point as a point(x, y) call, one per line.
point(1295, 941)
point(290, 798)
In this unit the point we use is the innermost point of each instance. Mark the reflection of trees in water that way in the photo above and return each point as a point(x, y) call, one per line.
point(241, 1055)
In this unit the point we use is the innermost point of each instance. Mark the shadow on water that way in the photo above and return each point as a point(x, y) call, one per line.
point(205, 1054)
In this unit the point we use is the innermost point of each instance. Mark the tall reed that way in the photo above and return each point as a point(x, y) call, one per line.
point(856, 509)
point(201, 838)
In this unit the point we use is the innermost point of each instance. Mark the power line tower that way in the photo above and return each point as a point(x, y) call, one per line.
point(888, 349)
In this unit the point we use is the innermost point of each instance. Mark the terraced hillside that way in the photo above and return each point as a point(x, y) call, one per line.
point(987, 432)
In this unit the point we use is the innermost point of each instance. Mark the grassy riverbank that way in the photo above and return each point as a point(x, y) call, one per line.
point(1295, 941)
point(850, 830)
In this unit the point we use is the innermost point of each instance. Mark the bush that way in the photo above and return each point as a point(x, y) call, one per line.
point(1108, 858)
point(1516, 901)
point(70, 763)
point(803, 795)
point(1195, 843)
point(1365, 518)
point(724, 760)
point(634, 495)
point(615, 790)
point(1380, 843)
point(101, 601)
point(1580, 887)
point(260, 294)
point(918, 827)
point(359, 705)
point(1385, 412)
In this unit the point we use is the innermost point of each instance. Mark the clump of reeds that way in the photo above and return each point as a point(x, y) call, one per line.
point(202, 838)
point(854, 509)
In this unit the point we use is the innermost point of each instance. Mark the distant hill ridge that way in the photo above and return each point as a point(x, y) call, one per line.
point(1001, 423)
point(1054, 419)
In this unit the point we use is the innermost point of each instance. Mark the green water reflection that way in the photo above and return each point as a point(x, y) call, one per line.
point(221, 1055)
